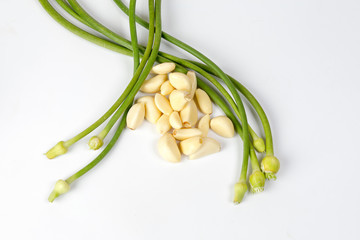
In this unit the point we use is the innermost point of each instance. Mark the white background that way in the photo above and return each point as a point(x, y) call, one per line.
point(300, 58)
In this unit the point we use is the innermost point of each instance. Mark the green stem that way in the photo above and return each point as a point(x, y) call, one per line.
point(102, 154)
point(254, 161)
point(253, 134)
point(134, 41)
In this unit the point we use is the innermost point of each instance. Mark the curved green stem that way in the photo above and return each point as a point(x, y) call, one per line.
point(253, 134)
point(102, 154)
point(134, 41)
point(254, 161)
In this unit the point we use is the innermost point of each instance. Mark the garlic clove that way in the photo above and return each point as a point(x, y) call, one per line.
point(204, 124)
point(203, 101)
point(189, 114)
point(163, 68)
point(192, 77)
point(185, 133)
point(168, 148)
point(152, 113)
point(135, 115)
point(190, 145)
point(175, 120)
point(166, 88)
point(163, 125)
point(222, 126)
point(209, 146)
point(180, 81)
point(177, 99)
point(163, 104)
point(153, 84)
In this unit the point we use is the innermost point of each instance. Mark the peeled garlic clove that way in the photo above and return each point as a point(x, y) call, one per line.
point(152, 113)
point(203, 100)
point(153, 85)
point(185, 133)
point(163, 104)
point(189, 114)
point(180, 81)
point(168, 148)
point(223, 126)
point(177, 99)
point(135, 115)
point(175, 120)
point(163, 68)
point(190, 145)
point(192, 77)
point(166, 88)
point(144, 99)
point(163, 125)
point(209, 146)
point(204, 124)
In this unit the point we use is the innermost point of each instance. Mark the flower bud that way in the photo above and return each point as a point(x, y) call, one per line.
point(95, 143)
point(270, 165)
point(259, 145)
point(60, 188)
point(240, 190)
point(57, 150)
point(257, 181)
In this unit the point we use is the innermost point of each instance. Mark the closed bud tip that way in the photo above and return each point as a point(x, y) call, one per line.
point(240, 190)
point(95, 143)
point(57, 150)
point(60, 188)
point(257, 181)
point(270, 165)
point(259, 145)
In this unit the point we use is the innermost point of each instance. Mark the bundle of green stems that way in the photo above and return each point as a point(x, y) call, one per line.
point(209, 76)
